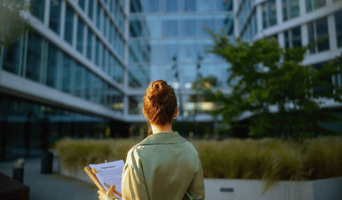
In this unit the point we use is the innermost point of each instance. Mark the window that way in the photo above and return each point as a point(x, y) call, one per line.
point(81, 3)
point(79, 84)
point(97, 51)
point(201, 24)
point(170, 28)
point(52, 62)
point(55, 15)
point(66, 73)
point(338, 25)
point(37, 8)
point(269, 14)
point(171, 6)
point(189, 5)
point(98, 15)
point(317, 30)
point(89, 44)
point(69, 25)
point(34, 57)
point(312, 5)
point(90, 9)
point(11, 57)
point(153, 5)
point(80, 35)
point(104, 27)
point(88, 83)
point(105, 56)
point(290, 9)
point(293, 38)
point(188, 27)
point(205, 5)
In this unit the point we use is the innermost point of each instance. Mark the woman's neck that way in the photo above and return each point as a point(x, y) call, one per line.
point(160, 129)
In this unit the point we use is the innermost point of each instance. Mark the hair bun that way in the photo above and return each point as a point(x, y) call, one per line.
point(159, 92)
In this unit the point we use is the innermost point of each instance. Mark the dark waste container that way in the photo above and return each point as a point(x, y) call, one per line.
point(18, 170)
point(47, 158)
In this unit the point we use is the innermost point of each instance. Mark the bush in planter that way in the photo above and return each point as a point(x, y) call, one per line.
point(266, 159)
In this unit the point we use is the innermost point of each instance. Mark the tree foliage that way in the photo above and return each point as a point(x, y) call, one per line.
point(12, 24)
point(262, 75)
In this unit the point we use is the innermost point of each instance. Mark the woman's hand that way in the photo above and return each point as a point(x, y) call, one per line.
point(108, 194)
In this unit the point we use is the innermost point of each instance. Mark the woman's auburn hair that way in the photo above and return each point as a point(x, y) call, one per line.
point(160, 102)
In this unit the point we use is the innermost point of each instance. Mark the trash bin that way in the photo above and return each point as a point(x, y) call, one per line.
point(18, 170)
point(47, 158)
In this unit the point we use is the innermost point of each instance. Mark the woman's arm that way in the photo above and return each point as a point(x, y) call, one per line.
point(133, 186)
point(196, 188)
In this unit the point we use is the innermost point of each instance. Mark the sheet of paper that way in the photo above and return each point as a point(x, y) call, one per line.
point(110, 173)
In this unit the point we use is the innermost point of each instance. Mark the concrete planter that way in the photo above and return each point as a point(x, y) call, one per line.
point(224, 189)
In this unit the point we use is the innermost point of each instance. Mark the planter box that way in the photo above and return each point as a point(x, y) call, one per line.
point(223, 189)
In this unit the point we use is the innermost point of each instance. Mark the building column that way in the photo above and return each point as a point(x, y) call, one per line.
point(281, 39)
point(63, 10)
point(47, 13)
point(126, 49)
point(302, 8)
point(236, 21)
point(279, 12)
point(259, 20)
point(332, 33)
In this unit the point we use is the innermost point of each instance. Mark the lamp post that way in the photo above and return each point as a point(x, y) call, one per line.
point(176, 75)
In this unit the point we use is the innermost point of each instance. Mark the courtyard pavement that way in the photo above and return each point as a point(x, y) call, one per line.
point(51, 186)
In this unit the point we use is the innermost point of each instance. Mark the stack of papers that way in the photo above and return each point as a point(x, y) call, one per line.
point(110, 173)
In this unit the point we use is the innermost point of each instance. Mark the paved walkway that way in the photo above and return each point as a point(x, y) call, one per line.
point(51, 186)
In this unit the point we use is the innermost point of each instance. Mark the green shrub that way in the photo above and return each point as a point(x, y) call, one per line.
point(268, 159)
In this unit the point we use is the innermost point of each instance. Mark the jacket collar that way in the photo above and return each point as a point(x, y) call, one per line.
point(163, 138)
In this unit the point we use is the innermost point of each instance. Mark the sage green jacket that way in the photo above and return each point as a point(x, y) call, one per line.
point(164, 166)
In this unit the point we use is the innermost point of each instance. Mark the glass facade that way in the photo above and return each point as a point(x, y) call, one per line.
point(80, 35)
point(37, 9)
point(69, 25)
point(312, 5)
point(293, 38)
point(290, 9)
point(338, 25)
point(269, 14)
point(161, 37)
point(318, 29)
point(55, 16)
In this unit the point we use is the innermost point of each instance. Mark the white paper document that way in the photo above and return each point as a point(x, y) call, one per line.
point(110, 173)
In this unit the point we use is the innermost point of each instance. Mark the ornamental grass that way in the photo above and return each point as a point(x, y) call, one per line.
point(268, 159)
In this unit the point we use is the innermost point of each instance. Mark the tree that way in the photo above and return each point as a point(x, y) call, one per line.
point(267, 75)
point(12, 24)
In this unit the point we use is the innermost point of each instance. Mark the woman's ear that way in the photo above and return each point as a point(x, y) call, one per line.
point(175, 113)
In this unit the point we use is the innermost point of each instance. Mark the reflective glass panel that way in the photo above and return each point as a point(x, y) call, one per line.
point(205, 5)
point(11, 57)
point(338, 25)
point(37, 9)
point(79, 85)
point(98, 15)
point(52, 64)
point(34, 57)
point(296, 37)
point(81, 3)
point(88, 82)
point(311, 35)
point(80, 35)
point(69, 25)
point(90, 9)
point(322, 31)
point(66, 73)
point(171, 6)
point(97, 51)
point(189, 5)
point(153, 5)
point(272, 12)
point(89, 44)
point(55, 16)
